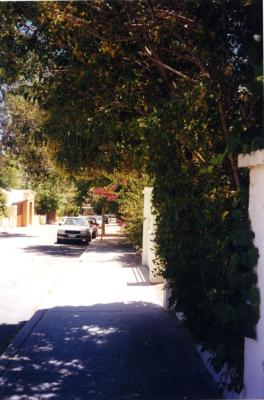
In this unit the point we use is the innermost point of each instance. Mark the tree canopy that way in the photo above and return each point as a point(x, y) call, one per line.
point(100, 68)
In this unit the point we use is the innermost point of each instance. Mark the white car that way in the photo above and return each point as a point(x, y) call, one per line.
point(75, 229)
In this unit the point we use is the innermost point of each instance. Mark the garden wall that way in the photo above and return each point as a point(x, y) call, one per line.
point(254, 349)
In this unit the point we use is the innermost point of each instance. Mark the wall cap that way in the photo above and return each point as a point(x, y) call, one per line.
point(148, 189)
point(251, 160)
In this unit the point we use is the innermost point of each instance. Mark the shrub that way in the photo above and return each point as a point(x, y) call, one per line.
point(3, 200)
point(131, 201)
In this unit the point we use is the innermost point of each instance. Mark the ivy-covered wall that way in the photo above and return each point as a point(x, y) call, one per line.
point(204, 236)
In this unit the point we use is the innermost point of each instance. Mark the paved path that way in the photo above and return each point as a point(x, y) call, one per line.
point(102, 335)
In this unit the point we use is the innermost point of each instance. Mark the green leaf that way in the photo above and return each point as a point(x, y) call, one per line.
point(253, 255)
point(249, 315)
point(217, 364)
point(233, 143)
point(234, 280)
point(253, 296)
point(217, 160)
point(225, 312)
point(248, 279)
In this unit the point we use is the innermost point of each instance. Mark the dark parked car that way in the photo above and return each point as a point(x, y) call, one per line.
point(75, 229)
point(94, 226)
point(111, 218)
point(98, 219)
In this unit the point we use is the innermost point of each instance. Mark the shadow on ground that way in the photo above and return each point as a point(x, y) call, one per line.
point(8, 333)
point(69, 250)
point(7, 235)
point(105, 351)
point(114, 241)
point(73, 249)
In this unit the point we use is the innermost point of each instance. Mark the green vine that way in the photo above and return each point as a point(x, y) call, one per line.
point(203, 236)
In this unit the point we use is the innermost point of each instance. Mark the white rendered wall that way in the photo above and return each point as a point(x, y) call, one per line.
point(254, 349)
point(148, 246)
point(146, 224)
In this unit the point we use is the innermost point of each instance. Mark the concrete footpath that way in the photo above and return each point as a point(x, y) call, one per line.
point(101, 334)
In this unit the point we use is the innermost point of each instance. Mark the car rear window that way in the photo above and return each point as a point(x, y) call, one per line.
point(76, 221)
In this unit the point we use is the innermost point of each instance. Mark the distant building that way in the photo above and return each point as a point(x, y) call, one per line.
point(20, 207)
point(87, 209)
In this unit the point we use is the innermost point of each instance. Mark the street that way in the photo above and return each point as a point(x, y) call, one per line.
point(31, 265)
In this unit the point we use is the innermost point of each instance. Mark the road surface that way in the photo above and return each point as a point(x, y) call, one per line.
point(31, 265)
